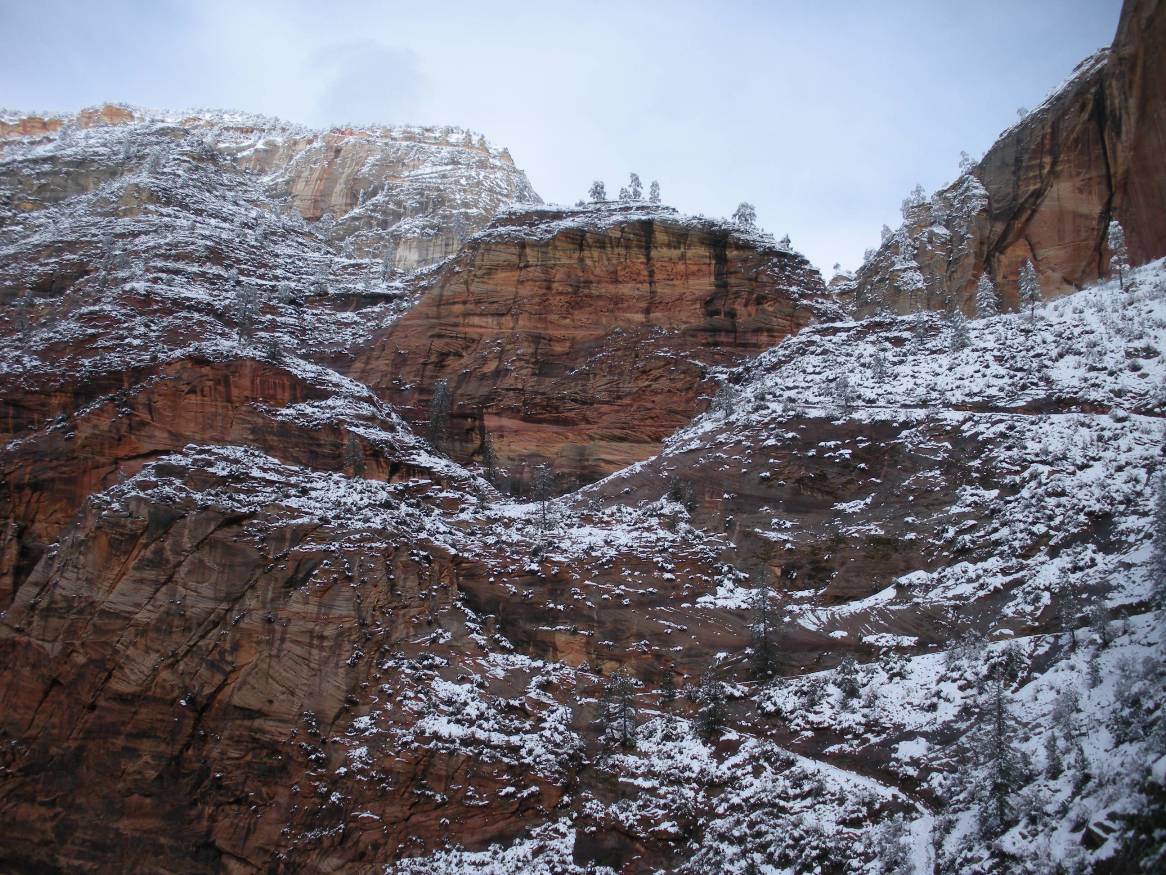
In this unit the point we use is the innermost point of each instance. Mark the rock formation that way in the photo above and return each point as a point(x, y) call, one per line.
point(406, 196)
point(1045, 191)
point(252, 620)
point(581, 338)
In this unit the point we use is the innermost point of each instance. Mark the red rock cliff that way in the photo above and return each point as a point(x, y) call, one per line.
point(582, 338)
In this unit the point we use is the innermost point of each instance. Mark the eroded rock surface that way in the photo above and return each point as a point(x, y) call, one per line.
point(1046, 191)
point(583, 337)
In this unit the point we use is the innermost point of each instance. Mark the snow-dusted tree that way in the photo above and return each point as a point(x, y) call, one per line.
point(711, 710)
point(624, 194)
point(542, 488)
point(245, 309)
point(878, 366)
point(1022, 112)
point(842, 393)
point(654, 192)
point(846, 678)
point(325, 224)
point(635, 187)
point(987, 300)
point(440, 406)
point(966, 162)
point(621, 718)
point(961, 337)
point(745, 215)
point(1028, 285)
point(353, 456)
point(1004, 768)
point(1099, 624)
point(667, 687)
point(1158, 554)
point(916, 198)
point(785, 244)
point(1119, 254)
point(1067, 611)
point(598, 191)
point(885, 234)
point(766, 634)
point(893, 847)
point(1054, 762)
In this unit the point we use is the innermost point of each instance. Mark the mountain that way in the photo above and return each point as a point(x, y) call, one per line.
point(576, 539)
point(411, 195)
point(1047, 190)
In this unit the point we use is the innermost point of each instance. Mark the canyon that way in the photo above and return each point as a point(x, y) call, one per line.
point(267, 606)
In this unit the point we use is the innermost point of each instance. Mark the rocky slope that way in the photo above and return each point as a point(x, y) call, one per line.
point(250, 663)
point(582, 337)
point(406, 196)
point(1046, 191)
point(818, 594)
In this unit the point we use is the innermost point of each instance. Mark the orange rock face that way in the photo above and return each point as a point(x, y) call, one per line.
point(583, 338)
point(1046, 190)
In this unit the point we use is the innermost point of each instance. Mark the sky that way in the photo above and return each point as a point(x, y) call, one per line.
point(822, 113)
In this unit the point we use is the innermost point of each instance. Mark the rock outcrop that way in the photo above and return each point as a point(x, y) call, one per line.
point(404, 197)
point(581, 338)
point(1045, 191)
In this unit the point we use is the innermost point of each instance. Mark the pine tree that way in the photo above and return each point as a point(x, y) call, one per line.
point(635, 187)
point(766, 637)
point(654, 192)
point(245, 309)
point(878, 366)
point(842, 393)
point(440, 406)
point(598, 191)
point(622, 725)
point(711, 710)
point(667, 688)
point(1158, 555)
point(1067, 612)
point(846, 678)
point(624, 194)
point(987, 300)
point(542, 487)
point(1029, 288)
point(785, 244)
point(916, 198)
point(960, 336)
point(1004, 766)
point(745, 215)
point(1054, 764)
point(1099, 617)
point(1119, 255)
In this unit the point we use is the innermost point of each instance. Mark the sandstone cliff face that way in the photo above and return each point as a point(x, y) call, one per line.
point(404, 197)
point(1046, 190)
point(581, 338)
point(250, 622)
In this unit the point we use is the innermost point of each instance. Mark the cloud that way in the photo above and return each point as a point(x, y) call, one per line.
point(366, 82)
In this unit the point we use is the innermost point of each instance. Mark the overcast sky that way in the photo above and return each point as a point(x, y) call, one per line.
point(823, 113)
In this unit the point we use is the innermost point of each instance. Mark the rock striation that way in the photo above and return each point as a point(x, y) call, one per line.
point(581, 337)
